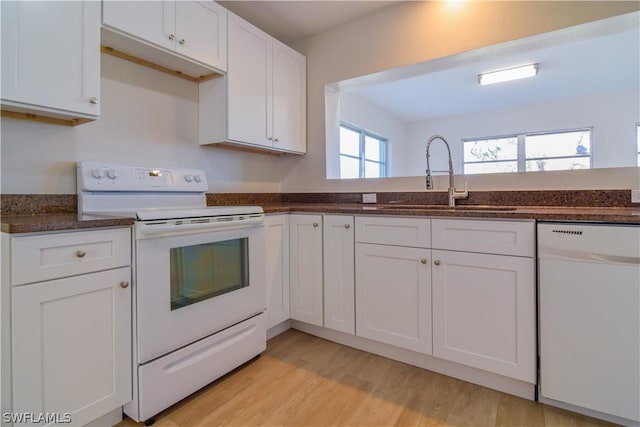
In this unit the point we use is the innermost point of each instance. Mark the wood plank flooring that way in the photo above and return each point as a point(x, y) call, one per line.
point(302, 380)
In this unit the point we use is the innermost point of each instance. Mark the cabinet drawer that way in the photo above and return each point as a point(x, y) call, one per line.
point(50, 256)
point(492, 237)
point(414, 232)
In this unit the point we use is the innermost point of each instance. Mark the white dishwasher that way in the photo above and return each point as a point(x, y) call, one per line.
point(589, 301)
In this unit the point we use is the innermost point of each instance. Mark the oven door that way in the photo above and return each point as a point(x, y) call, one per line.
point(190, 286)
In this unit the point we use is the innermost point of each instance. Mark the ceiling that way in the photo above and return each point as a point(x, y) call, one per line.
point(567, 71)
point(288, 21)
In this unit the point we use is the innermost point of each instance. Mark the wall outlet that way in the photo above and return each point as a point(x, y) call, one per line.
point(369, 198)
point(635, 196)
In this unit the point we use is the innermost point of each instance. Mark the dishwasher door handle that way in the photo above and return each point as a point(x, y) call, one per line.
point(557, 253)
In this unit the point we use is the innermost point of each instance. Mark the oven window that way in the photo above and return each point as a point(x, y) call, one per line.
point(205, 271)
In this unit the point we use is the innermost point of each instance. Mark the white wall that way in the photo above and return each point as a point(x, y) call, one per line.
point(613, 118)
point(147, 117)
point(412, 32)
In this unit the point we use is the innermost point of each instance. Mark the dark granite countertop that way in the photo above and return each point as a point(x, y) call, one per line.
point(69, 221)
point(56, 222)
point(593, 214)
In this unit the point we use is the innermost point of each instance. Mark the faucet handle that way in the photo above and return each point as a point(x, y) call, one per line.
point(463, 193)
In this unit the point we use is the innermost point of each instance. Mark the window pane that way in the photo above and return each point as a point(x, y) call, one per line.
point(558, 164)
point(488, 150)
point(558, 144)
point(491, 167)
point(349, 142)
point(373, 170)
point(372, 148)
point(205, 271)
point(349, 167)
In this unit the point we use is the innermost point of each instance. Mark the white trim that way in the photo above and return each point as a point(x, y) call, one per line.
point(465, 373)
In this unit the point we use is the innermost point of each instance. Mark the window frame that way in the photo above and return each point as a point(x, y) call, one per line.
point(363, 134)
point(521, 138)
point(638, 143)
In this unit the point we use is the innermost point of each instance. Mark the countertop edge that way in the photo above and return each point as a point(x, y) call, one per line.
point(35, 223)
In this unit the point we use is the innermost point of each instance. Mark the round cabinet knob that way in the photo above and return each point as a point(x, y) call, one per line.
point(436, 262)
point(97, 173)
point(197, 178)
point(124, 285)
point(423, 260)
point(172, 37)
point(112, 174)
point(93, 100)
point(80, 253)
point(276, 139)
point(182, 42)
point(347, 226)
point(315, 225)
point(188, 178)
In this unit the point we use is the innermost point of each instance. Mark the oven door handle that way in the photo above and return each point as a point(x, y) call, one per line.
point(155, 228)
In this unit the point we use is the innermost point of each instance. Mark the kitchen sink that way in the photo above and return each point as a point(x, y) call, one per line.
point(447, 208)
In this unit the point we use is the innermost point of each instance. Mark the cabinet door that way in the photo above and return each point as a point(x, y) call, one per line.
point(289, 99)
point(339, 273)
point(393, 295)
point(51, 56)
point(249, 83)
point(277, 264)
point(151, 21)
point(201, 32)
point(72, 345)
point(484, 312)
point(306, 268)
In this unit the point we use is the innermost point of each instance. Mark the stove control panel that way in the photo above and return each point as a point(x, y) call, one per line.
point(97, 176)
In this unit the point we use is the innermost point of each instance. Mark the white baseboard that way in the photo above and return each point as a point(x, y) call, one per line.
point(278, 329)
point(107, 420)
point(455, 370)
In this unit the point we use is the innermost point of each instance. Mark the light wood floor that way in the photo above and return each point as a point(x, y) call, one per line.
point(302, 380)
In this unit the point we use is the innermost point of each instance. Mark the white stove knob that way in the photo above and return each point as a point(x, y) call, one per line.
point(188, 178)
point(112, 174)
point(197, 178)
point(97, 173)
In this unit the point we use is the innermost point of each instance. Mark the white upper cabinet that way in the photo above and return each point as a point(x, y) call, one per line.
point(261, 103)
point(185, 36)
point(250, 68)
point(153, 21)
point(201, 32)
point(51, 59)
point(289, 99)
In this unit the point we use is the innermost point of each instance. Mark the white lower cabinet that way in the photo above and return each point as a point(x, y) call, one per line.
point(393, 295)
point(484, 312)
point(277, 264)
point(306, 268)
point(484, 303)
point(339, 275)
point(72, 345)
point(70, 316)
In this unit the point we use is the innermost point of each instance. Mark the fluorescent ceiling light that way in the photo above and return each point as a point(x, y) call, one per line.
point(508, 74)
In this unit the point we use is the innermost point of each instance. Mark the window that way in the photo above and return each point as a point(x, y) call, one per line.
point(544, 151)
point(362, 154)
